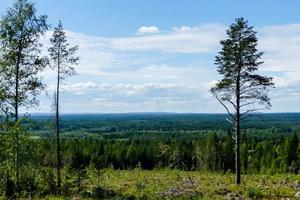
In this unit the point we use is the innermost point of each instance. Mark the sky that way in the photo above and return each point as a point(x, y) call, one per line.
point(158, 56)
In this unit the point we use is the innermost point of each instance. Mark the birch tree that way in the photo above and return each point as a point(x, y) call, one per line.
point(20, 32)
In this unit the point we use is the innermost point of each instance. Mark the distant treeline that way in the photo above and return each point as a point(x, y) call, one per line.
point(168, 122)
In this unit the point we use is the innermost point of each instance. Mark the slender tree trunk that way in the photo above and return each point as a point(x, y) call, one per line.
point(17, 161)
point(238, 133)
point(238, 155)
point(17, 104)
point(58, 130)
point(16, 121)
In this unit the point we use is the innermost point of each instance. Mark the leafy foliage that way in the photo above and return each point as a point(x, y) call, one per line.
point(20, 31)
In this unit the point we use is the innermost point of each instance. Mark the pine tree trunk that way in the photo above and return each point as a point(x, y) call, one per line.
point(57, 132)
point(238, 133)
point(238, 156)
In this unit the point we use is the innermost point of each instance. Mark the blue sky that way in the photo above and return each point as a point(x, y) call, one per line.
point(123, 17)
point(148, 56)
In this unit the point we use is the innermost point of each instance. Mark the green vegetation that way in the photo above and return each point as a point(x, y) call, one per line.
point(171, 184)
point(157, 163)
point(176, 184)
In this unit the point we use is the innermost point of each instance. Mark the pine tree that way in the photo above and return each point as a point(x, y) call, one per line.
point(229, 152)
point(291, 150)
point(212, 153)
point(241, 91)
point(62, 60)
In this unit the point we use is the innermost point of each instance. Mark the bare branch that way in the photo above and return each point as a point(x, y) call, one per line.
point(250, 113)
point(229, 113)
point(247, 104)
point(229, 120)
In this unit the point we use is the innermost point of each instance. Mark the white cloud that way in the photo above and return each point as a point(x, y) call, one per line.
point(281, 45)
point(210, 84)
point(280, 82)
point(127, 89)
point(201, 39)
point(172, 71)
point(76, 88)
point(183, 28)
point(148, 29)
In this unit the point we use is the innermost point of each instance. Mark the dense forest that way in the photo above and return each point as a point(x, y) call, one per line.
point(183, 141)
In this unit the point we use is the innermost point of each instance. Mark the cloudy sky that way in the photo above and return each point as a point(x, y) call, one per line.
point(158, 56)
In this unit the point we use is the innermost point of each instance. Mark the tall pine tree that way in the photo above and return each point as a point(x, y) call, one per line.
point(62, 58)
point(241, 90)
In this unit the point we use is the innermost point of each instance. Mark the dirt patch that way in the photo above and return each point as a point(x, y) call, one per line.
point(187, 187)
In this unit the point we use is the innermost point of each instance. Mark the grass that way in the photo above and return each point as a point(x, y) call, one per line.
point(175, 184)
point(171, 184)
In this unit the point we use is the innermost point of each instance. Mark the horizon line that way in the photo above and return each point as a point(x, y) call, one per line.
point(158, 112)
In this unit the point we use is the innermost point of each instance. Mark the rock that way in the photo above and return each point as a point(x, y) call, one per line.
point(297, 195)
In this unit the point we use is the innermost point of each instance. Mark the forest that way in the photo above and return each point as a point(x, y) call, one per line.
point(243, 153)
point(95, 144)
point(178, 141)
